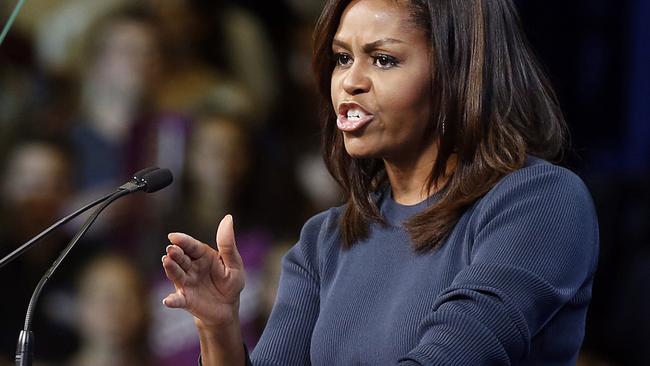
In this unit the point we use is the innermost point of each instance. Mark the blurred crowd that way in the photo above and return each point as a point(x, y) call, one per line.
point(221, 93)
point(94, 91)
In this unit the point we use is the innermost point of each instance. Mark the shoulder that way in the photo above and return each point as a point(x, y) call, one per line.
point(540, 204)
point(319, 235)
point(548, 183)
point(322, 225)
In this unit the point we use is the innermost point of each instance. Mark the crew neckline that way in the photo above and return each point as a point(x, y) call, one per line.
point(396, 213)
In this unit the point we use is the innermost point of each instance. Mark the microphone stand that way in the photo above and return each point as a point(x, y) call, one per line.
point(24, 349)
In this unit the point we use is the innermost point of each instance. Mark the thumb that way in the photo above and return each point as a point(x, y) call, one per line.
point(226, 244)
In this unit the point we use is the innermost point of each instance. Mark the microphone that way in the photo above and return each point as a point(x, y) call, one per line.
point(156, 180)
point(138, 181)
point(145, 179)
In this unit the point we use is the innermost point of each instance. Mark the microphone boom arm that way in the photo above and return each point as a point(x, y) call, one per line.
point(24, 347)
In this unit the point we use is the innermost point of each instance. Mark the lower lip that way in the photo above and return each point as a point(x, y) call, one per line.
point(347, 125)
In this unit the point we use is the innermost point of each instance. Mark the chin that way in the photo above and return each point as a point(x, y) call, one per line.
point(359, 150)
point(362, 154)
point(358, 156)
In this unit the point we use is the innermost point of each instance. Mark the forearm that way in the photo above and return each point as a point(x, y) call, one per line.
point(221, 346)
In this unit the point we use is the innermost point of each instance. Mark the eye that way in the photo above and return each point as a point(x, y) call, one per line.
point(343, 59)
point(385, 62)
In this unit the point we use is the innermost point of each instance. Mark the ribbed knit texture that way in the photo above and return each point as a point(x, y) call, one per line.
point(510, 286)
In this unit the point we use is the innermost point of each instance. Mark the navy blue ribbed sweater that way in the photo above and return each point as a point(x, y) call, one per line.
point(510, 286)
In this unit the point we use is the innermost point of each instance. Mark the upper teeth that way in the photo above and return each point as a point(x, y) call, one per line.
point(355, 114)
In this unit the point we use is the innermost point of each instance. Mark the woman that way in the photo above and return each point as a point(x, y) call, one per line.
point(458, 244)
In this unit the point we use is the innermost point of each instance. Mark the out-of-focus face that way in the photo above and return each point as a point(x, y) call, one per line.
point(111, 303)
point(381, 83)
point(36, 185)
point(218, 156)
point(129, 57)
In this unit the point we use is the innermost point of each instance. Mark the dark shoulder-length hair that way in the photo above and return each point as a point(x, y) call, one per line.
point(493, 105)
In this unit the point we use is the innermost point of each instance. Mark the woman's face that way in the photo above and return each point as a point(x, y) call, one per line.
point(381, 82)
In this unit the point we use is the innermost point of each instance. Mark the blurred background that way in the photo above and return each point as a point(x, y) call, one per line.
point(221, 92)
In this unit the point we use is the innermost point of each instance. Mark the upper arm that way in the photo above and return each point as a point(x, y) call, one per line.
point(534, 248)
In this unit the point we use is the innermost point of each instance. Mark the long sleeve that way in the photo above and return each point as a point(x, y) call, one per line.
point(533, 256)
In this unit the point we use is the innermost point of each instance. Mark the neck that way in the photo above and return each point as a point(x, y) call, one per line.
point(409, 178)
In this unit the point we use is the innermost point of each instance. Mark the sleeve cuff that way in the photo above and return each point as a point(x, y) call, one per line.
point(248, 358)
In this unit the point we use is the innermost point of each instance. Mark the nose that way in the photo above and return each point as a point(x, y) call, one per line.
point(356, 80)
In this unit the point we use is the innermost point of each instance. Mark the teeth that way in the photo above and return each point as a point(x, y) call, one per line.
point(355, 114)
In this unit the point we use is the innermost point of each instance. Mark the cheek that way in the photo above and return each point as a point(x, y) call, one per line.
point(409, 103)
point(334, 90)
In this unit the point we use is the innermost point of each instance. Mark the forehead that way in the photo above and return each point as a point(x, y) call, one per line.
point(376, 19)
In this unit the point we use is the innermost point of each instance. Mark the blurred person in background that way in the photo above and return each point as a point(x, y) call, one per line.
point(36, 183)
point(117, 130)
point(59, 29)
point(218, 170)
point(188, 74)
point(206, 42)
point(54, 32)
point(220, 176)
point(123, 64)
point(112, 314)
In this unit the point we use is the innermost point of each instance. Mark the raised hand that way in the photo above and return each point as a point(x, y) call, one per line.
point(207, 281)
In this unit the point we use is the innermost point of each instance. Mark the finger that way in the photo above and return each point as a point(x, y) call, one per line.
point(190, 246)
point(173, 271)
point(175, 300)
point(226, 244)
point(177, 254)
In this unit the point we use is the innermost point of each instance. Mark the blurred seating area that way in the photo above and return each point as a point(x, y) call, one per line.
point(221, 93)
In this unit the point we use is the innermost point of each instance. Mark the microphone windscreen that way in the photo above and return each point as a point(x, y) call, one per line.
point(157, 180)
point(137, 176)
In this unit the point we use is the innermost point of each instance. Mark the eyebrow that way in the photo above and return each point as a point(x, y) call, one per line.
point(369, 46)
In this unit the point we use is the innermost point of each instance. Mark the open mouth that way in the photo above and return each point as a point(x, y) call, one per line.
point(352, 117)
